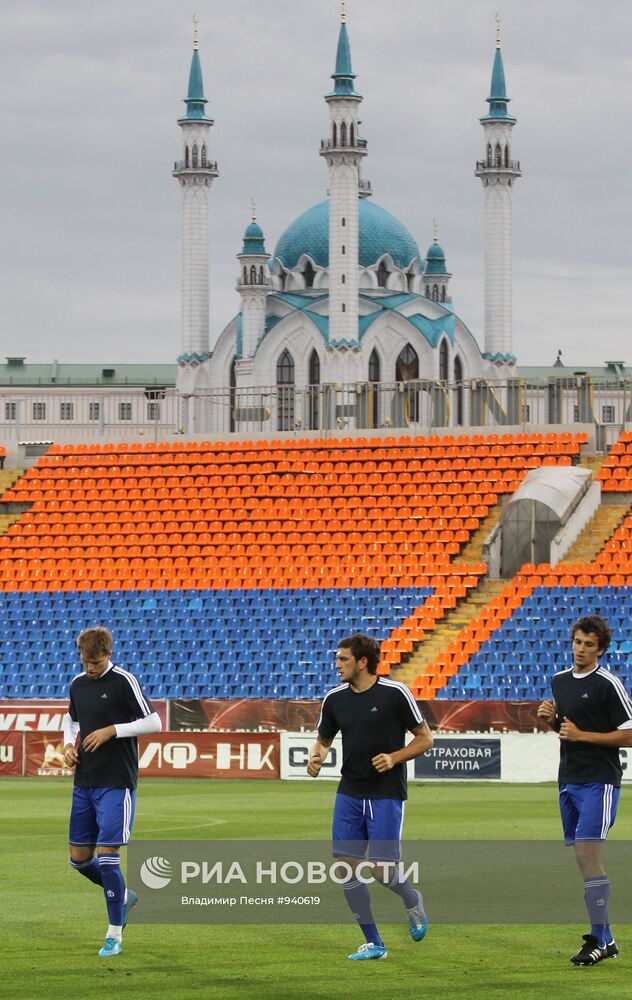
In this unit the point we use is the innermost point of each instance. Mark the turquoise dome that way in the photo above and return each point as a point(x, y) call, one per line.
point(253, 239)
point(435, 260)
point(380, 233)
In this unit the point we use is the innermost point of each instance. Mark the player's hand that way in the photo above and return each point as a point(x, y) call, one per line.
point(98, 737)
point(569, 731)
point(314, 765)
point(383, 762)
point(70, 755)
point(546, 711)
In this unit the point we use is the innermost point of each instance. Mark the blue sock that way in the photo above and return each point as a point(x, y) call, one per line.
point(113, 887)
point(596, 894)
point(359, 902)
point(89, 868)
point(403, 889)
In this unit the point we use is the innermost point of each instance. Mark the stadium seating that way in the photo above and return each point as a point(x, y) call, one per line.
point(230, 569)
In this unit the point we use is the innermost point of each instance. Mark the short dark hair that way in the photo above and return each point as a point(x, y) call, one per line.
point(596, 624)
point(363, 645)
point(94, 642)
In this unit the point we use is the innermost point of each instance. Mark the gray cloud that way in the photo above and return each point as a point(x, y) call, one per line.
point(90, 94)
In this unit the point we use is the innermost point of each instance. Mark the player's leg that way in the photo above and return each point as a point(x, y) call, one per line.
point(384, 830)
point(597, 813)
point(82, 836)
point(349, 846)
point(115, 813)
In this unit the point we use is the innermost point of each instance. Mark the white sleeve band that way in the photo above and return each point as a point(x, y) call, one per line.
point(141, 727)
point(71, 728)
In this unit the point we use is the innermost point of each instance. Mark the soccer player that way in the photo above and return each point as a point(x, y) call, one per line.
point(109, 711)
point(592, 713)
point(373, 715)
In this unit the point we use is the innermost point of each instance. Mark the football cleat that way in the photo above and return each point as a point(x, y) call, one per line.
point(417, 919)
point(110, 948)
point(132, 899)
point(367, 951)
point(592, 952)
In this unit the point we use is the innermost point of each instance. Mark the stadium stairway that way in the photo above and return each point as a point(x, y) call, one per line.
point(599, 530)
point(7, 478)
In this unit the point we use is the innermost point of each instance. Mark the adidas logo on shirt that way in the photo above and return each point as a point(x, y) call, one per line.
point(104, 696)
point(584, 696)
point(374, 709)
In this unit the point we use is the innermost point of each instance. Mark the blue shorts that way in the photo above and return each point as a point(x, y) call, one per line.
point(376, 823)
point(588, 811)
point(101, 816)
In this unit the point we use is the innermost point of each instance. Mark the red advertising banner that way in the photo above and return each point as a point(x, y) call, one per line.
point(281, 715)
point(44, 756)
point(209, 755)
point(22, 715)
point(11, 754)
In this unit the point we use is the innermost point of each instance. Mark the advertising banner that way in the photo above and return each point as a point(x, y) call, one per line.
point(23, 714)
point(295, 748)
point(460, 757)
point(11, 754)
point(209, 755)
point(44, 756)
point(271, 715)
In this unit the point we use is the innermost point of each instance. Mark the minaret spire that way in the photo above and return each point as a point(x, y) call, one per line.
point(195, 172)
point(498, 172)
point(343, 151)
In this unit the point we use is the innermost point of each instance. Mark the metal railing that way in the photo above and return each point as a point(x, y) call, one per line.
point(421, 405)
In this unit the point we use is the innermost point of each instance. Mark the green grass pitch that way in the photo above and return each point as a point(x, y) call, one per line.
point(53, 921)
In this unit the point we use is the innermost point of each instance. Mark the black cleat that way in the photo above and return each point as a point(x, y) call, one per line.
point(590, 952)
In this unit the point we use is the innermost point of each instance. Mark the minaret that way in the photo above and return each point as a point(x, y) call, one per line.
point(343, 151)
point(195, 172)
point(498, 172)
point(253, 286)
point(436, 275)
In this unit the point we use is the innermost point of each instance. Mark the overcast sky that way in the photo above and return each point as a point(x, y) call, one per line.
point(89, 97)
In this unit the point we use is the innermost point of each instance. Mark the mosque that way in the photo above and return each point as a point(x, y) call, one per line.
point(346, 296)
point(345, 324)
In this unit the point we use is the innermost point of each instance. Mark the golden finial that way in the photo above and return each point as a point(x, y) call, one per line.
point(253, 209)
point(196, 41)
point(497, 29)
point(343, 11)
point(436, 231)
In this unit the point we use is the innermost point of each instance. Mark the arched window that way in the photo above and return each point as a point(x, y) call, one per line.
point(203, 156)
point(343, 279)
point(344, 308)
point(427, 291)
point(309, 274)
point(285, 392)
point(233, 394)
point(506, 156)
point(245, 275)
point(194, 157)
point(313, 392)
point(335, 135)
point(435, 293)
point(261, 276)
point(407, 365)
point(407, 370)
point(458, 378)
point(497, 156)
point(253, 274)
point(382, 274)
point(489, 155)
point(443, 294)
point(352, 135)
point(443, 361)
point(343, 134)
point(186, 156)
point(374, 399)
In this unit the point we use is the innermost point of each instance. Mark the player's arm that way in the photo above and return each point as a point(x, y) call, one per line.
point(122, 730)
point(548, 713)
point(422, 741)
point(616, 738)
point(317, 755)
point(71, 729)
